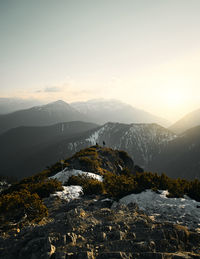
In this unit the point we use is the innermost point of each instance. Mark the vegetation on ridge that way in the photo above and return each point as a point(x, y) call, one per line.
point(101, 160)
point(22, 201)
point(122, 177)
point(118, 186)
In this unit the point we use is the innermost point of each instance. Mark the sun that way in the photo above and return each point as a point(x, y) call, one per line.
point(174, 98)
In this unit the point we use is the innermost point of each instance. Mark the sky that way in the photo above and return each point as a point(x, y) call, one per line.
point(143, 52)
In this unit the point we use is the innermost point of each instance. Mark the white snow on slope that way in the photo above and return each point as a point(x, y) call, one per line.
point(69, 193)
point(94, 138)
point(177, 210)
point(142, 141)
point(64, 175)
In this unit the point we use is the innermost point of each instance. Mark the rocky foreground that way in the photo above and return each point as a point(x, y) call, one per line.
point(89, 228)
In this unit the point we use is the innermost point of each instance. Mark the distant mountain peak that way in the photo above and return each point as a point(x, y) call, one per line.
point(103, 110)
point(57, 103)
point(42, 115)
point(60, 102)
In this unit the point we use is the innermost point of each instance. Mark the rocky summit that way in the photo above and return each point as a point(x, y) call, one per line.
point(89, 227)
point(100, 160)
point(74, 210)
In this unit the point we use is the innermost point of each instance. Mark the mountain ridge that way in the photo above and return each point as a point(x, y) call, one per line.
point(102, 111)
point(99, 216)
point(181, 157)
point(44, 115)
point(60, 111)
point(141, 141)
point(188, 121)
point(27, 147)
point(9, 105)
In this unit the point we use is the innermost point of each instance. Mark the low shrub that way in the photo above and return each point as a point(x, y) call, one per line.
point(123, 155)
point(177, 188)
point(24, 199)
point(89, 185)
point(89, 164)
point(118, 186)
point(93, 187)
point(164, 182)
point(43, 188)
point(91, 151)
point(126, 171)
point(22, 204)
point(194, 190)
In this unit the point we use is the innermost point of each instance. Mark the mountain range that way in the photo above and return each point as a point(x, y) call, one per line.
point(27, 150)
point(8, 105)
point(149, 145)
point(36, 147)
point(101, 111)
point(44, 115)
point(36, 137)
point(141, 141)
point(92, 111)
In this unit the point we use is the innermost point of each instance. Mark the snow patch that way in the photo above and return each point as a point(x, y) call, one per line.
point(183, 211)
point(69, 193)
point(93, 139)
point(64, 175)
point(4, 185)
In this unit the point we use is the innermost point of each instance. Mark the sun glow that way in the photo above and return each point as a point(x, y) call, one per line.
point(174, 98)
point(174, 101)
point(175, 95)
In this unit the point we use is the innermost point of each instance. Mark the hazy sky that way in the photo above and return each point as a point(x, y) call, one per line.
point(143, 52)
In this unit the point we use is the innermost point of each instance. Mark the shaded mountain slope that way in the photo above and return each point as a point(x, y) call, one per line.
point(26, 150)
point(187, 122)
point(141, 141)
point(49, 114)
point(181, 157)
point(60, 111)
